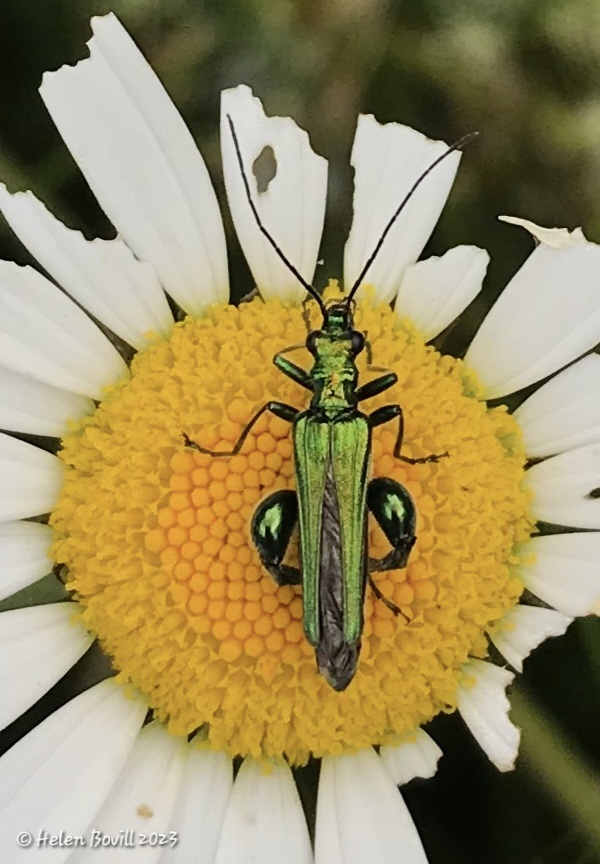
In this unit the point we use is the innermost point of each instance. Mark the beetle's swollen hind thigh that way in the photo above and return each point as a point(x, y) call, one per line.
point(272, 527)
point(393, 508)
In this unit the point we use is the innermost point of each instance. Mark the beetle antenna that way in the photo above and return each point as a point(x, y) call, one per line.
point(311, 290)
point(458, 145)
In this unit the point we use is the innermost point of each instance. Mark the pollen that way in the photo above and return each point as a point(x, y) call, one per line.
point(156, 537)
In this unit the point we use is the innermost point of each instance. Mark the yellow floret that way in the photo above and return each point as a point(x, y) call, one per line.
point(156, 537)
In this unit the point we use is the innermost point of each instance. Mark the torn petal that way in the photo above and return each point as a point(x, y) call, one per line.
point(557, 238)
point(523, 628)
point(434, 292)
point(416, 757)
point(387, 160)
point(103, 276)
point(523, 337)
point(291, 204)
point(142, 164)
point(484, 706)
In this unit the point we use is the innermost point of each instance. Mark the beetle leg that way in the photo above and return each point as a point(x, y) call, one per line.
point(272, 526)
point(393, 508)
point(279, 409)
point(369, 353)
point(377, 385)
point(292, 370)
point(380, 596)
point(389, 412)
point(306, 314)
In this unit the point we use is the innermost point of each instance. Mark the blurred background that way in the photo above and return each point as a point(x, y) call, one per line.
point(526, 75)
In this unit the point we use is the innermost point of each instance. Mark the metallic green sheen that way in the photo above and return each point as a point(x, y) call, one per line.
point(350, 456)
point(394, 506)
point(334, 435)
point(272, 521)
point(311, 453)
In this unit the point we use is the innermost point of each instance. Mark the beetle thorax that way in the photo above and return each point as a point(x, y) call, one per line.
point(334, 373)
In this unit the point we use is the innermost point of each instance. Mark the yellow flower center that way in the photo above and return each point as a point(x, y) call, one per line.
point(156, 537)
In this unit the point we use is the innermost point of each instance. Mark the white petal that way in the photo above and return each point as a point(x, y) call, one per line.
point(142, 799)
point(547, 316)
point(200, 808)
point(387, 161)
point(361, 816)
point(103, 276)
point(523, 628)
point(484, 707)
point(292, 208)
point(27, 405)
point(416, 757)
point(24, 552)
point(434, 292)
point(264, 821)
point(141, 162)
point(565, 488)
point(558, 238)
point(58, 776)
point(565, 412)
point(31, 479)
point(45, 335)
point(564, 571)
point(38, 645)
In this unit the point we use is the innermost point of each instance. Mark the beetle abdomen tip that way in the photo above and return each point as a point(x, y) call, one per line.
point(338, 667)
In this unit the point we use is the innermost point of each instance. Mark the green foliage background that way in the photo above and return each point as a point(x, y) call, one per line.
point(526, 74)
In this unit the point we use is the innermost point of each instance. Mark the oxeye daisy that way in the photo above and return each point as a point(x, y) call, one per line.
point(142, 370)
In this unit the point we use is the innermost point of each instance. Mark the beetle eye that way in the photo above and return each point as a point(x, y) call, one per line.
point(358, 342)
point(311, 341)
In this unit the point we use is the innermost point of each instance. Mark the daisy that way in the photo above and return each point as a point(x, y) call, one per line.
point(209, 655)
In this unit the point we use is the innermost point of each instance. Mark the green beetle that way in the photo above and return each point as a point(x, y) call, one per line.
point(333, 497)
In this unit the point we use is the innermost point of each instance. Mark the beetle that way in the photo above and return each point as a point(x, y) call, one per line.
point(332, 454)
